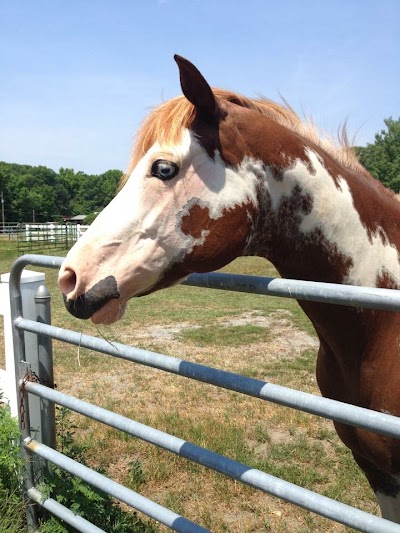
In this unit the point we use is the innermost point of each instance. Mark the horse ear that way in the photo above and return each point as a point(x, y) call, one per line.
point(196, 89)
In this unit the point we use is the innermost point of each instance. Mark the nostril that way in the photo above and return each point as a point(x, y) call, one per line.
point(67, 281)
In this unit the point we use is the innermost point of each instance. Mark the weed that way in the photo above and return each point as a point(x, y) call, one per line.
point(261, 433)
point(173, 501)
point(12, 509)
point(135, 476)
point(81, 498)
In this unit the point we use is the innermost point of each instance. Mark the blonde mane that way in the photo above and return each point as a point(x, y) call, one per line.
point(165, 123)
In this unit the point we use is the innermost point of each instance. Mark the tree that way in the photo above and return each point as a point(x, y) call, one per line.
point(68, 191)
point(31, 192)
point(41, 193)
point(95, 192)
point(382, 159)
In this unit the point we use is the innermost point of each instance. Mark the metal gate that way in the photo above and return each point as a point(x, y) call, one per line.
point(49, 237)
point(27, 385)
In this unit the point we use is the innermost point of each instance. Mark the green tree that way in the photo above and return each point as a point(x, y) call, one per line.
point(95, 192)
point(40, 192)
point(382, 158)
point(110, 181)
point(32, 194)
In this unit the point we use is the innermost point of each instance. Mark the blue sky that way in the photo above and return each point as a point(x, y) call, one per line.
point(77, 77)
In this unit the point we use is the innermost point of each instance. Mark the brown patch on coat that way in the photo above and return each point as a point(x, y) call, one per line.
point(276, 236)
point(358, 364)
point(224, 240)
point(226, 237)
point(244, 132)
point(387, 281)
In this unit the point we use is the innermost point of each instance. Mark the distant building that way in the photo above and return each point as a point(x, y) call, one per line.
point(77, 219)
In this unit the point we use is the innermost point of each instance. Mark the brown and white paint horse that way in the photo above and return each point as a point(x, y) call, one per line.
point(214, 176)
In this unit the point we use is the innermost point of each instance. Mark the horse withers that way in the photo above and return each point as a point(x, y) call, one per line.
point(215, 175)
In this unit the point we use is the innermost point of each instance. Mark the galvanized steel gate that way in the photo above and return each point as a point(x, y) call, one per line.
point(26, 384)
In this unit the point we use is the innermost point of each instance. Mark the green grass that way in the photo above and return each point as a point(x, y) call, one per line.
point(224, 335)
point(12, 510)
point(294, 445)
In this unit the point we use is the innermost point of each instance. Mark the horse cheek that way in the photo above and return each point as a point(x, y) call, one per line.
point(224, 240)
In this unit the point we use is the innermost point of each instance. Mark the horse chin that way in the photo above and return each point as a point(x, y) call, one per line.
point(114, 309)
point(111, 312)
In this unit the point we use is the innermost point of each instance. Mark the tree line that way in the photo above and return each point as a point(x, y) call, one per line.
point(39, 193)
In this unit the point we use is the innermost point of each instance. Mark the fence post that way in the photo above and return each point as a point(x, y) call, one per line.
point(45, 367)
point(23, 345)
point(30, 281)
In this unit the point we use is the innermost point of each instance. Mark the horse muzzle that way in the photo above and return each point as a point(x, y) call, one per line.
point(85, 305)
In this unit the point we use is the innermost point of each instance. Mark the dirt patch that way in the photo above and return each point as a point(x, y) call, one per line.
point(284, 339)
point(164, 332)
point(288, 340)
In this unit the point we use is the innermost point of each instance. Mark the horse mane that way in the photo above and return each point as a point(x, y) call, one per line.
point(166, 122)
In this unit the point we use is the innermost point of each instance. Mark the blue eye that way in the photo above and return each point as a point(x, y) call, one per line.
point(164, 170)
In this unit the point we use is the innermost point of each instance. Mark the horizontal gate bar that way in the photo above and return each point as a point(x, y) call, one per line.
point(313, 291)
point(369, 297)
point(305, 498)
point(54, 507)
point(108, 486)
point(331, 409)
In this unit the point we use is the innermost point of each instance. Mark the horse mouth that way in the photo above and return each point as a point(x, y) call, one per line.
point(106, 313)
point(103, 303)
point(99, 301)
point(111, 312)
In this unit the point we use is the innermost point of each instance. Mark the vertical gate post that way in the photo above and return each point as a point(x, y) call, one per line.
point(29, 283)
point(45, 367)
point(23, 345)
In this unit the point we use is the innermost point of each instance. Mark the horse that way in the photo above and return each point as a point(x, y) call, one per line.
point(215, 175)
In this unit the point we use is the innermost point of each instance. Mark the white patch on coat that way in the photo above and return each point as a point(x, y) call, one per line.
point(334, 214)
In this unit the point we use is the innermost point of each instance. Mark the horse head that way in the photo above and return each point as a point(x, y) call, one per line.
point(187, 205)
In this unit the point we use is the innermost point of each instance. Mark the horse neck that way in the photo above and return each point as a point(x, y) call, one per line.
point(317, 224)
point(321, 225)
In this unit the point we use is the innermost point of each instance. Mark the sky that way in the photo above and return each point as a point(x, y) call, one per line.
point(78, 77)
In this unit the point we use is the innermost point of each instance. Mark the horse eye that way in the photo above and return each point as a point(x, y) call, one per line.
point(164, 170)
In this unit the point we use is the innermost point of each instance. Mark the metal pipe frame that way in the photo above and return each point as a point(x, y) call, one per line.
point(303, 401)
point(45, 366)
point(333, 293)
point(108, 486)
point(332, 509)
point(322, 292)
point(63, 512)
point(312, 291)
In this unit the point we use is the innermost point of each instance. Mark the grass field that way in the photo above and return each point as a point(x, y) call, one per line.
point(264, 337)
